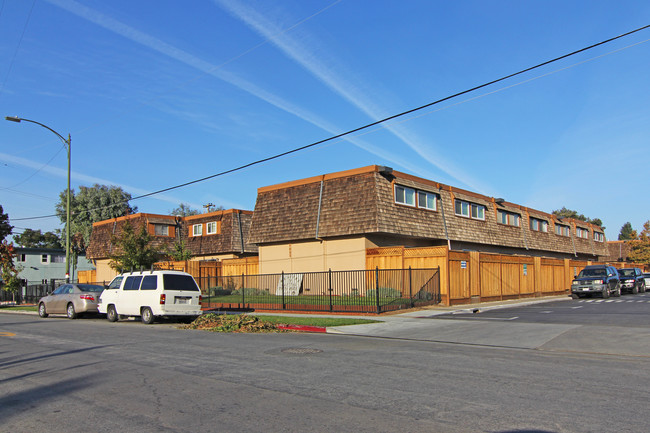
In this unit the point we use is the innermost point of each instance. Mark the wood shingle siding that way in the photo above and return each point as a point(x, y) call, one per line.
point(361, 202)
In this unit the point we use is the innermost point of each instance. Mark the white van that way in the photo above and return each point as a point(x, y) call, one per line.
point(151, 294)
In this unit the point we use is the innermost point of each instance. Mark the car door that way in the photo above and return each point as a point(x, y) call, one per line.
point(57, 303)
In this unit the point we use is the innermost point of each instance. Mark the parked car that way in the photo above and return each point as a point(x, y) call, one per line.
point(631, 280)
point(600, 279)
point(71, 300)
point(646, 277)
point(151, 294)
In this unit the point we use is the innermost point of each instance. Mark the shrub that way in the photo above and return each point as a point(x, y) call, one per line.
point(384, 292)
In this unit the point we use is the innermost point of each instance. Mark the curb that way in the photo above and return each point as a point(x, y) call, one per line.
point(303, 328)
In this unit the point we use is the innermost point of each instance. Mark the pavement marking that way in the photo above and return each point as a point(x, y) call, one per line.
point(499, 318)
point(545, 312)
point(7, 334)
point(574, 308)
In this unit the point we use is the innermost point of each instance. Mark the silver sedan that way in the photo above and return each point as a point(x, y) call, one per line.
point(71, 300)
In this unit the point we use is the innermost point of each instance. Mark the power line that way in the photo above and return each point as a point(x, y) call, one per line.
point(369, 125)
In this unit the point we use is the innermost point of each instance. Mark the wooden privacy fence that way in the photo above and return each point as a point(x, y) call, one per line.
point(472, 276)
point(207, 272)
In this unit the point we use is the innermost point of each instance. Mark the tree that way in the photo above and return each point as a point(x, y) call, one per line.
point(569, 213)
point(627, 232)
point(35, 239)
point(134, 249)
point(180, 252)
point(184, 210)
point(8, 271)
point(5, 227)
point(99, 203)
point(640, 248)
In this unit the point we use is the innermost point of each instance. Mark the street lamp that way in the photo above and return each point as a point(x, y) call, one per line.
point(67, 219)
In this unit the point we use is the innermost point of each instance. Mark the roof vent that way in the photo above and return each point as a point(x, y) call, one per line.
point(499, 200)
point(386, 171)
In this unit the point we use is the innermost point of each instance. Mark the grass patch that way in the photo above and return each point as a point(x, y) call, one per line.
point(315, 321)
point(20, 308)
point(251, 323)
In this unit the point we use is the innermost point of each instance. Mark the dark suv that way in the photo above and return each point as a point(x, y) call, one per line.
point(632, 280)
point(593, 279)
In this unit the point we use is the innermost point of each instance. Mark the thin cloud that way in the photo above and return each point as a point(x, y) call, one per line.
point(79, 177)
point(305, 57)
point(186, 58)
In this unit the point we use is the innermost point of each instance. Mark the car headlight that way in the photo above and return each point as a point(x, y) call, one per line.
point(575, 283)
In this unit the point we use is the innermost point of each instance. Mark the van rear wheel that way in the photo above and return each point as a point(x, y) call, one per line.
point(147, 316)
point(111, 314)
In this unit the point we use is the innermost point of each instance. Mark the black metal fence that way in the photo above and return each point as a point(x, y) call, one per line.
point(364, 291)
point(31, 292)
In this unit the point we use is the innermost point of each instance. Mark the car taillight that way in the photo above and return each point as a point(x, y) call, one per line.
point(87, 297)
point(162, 299)
point(200, 299)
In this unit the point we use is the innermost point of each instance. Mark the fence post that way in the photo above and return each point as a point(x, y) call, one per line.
point(411, 289)
point(284, 306)
point(377, 288)
point(243, 295)
point(330, 287)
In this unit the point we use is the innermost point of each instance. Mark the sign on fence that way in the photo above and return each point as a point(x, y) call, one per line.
point(292, 283)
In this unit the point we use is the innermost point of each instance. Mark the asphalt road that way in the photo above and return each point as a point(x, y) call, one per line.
point(94, 376)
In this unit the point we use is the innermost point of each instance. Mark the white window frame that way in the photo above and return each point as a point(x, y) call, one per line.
point(599, 237)
point(511, 218)
point(197, 230)
point(404, 192)
point(211, 225)
point(562, 230)
point(582, 233)
point(20, 257)
point(538, 225)
point(57, 259)
point(430, 200)
point(45, 258)
point(469, 210)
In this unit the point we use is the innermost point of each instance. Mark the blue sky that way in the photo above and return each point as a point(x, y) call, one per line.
point(156, 93)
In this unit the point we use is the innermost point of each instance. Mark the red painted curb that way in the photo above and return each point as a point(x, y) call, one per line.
point(303, 328)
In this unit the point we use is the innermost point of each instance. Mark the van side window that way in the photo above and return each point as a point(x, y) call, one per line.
point(115, 284)
point(132, 283)
point(150, 282)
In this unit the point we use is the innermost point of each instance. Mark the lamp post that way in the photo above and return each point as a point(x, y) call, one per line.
point(67, 219)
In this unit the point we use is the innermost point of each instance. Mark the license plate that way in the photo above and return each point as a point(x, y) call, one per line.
point(585, 289)
point(182, 300)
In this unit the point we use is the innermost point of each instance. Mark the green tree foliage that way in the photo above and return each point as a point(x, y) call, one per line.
point(8, 270)
point(92, 204)
point(36, 239)
point(5, 227)
point(569, 213)
point(184, 210)
point(180, 252)
point(627, 233)
point(134, 249)
point(640, 248)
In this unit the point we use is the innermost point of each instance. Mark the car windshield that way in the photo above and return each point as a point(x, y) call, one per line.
point(626, 272)
point(592, 273)
point(90, 288)
point(179, 282)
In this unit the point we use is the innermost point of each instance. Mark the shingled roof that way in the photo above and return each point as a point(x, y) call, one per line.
point(233, 226)
point(362, 202)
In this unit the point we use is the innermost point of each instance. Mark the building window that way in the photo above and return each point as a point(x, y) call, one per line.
point(582, 233)
point(20, 257)
point(469, 210)
point(45, 258)
point(562, 230)
point(508, 218)
point(426, 200)
point(212, 228)
point(58, 259)
point(538, 225)
point(161, 229)
point(404, 195)
point(197, 230)
point(599, 237)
